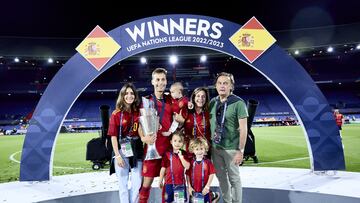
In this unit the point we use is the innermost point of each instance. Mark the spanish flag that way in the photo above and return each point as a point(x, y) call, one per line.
point(98, 48)
point(252, 39)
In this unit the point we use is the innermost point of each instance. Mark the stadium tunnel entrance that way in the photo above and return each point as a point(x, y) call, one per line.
point(283, 71)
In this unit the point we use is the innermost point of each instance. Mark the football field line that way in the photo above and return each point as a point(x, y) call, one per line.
point(280, 161)
point(12, 158)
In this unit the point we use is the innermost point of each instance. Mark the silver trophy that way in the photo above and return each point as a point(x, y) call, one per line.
point(150, 124)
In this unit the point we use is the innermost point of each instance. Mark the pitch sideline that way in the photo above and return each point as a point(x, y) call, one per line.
point(12, 158)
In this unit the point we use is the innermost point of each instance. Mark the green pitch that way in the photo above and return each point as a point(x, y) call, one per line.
point(286, 147)
point(275, 147)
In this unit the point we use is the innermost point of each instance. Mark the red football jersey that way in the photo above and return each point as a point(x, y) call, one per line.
point(129, 122)
point(202, 126)
point(338, 118)
point(165, 113)
point(178, 169)
point(180, 105)
point(195, 173)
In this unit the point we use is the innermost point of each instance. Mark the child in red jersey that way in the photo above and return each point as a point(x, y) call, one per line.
point(173, 168)
point(201, 173)
point(179, 104)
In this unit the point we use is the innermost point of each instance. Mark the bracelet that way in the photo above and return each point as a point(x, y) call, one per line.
point(116, 156)
point(207, 187)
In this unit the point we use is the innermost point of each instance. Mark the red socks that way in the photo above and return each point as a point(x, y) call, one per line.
point(144, 194)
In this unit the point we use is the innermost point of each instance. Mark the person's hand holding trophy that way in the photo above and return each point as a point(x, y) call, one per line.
point(149, 122)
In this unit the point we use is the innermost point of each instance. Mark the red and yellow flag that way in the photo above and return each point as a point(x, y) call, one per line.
point(98, 48)
point(252, 39)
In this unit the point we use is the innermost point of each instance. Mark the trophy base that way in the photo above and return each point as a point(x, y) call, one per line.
point(152, 155)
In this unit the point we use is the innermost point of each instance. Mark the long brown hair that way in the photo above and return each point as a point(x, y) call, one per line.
point(207, 98)
point(120, 102)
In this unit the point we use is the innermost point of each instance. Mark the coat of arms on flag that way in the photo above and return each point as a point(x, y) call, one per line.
point(252, 39)
point(98, 48)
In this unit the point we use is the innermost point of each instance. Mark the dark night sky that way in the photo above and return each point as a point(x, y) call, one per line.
point(74, 19)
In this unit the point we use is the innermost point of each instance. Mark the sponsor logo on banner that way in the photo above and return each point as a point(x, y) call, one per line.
point(172, 30)
point(98, 48)
point(252, 39)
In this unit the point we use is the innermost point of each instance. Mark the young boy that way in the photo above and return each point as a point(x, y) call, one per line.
point(179, 104)
point(173, 167)
point(201, 173)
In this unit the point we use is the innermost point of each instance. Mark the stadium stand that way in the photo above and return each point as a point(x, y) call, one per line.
point(18, 98)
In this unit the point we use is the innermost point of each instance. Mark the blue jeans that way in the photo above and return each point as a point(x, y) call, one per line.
point(125, 195)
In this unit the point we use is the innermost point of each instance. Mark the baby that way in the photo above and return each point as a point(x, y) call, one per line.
point(179, 104)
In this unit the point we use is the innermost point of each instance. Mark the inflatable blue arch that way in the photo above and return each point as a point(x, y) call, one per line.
point(283, 71)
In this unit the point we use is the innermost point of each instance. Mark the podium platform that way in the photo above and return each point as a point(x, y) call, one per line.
point(260, 184)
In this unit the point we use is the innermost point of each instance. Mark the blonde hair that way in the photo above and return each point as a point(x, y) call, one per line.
point(196, 142)
point(178, 85)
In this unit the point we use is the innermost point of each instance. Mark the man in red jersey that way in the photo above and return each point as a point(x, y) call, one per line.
point(162, 103)
point(339, 119)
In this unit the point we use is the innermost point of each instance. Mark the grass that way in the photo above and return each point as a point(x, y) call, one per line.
point(285, 143)
point(281, 143)
point(70, 152)
point(351, 140)
point(9, 170)
point(69, 157)
point(273, 144)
